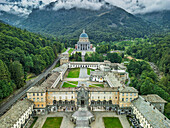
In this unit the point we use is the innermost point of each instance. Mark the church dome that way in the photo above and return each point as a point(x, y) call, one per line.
point(83, 35)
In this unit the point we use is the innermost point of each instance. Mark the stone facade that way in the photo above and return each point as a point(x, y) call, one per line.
point(83, 44)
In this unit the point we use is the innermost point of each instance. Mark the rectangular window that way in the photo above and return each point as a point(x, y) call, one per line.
point(126, 94)
point(134, 94)
point(41, 99)
point(130, 94)
point(38, 105)
point(126, 99)
point(122, 94)
point(33, 99)
point(42, 105)
point(33, 94)
point(37, 94)
point(130, 99)
point(122, 105)
point(37, 99)
point(122, 99)
point(41, 94)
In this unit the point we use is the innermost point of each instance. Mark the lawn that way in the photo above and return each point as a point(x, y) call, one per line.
point(30, 76)
point(53, 122)
point(73, 82)
point(74, 73)
point(67, 85)
point(112, 122)
point(92, 86)
point(88, 70)
point(99, 85)
point(35, 119)
point(70, 51)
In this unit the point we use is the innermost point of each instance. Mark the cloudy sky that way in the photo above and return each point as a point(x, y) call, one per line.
point(133, 6)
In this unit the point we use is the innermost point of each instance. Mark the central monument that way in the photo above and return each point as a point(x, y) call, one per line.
point(83, 44)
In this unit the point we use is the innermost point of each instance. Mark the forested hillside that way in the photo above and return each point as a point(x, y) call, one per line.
point(22, 52)
point(101, 25)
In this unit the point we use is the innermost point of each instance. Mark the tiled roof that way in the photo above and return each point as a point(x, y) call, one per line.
point(13, 115)
point(153, 98)
point(128, 89)
point(36, 89)
point(155, 118)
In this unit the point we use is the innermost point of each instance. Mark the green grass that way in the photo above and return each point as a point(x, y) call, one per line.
point(35, 119)
point(53, 122)
point(70, 51)
point(30, 76)
point(92, 86)
point(67, 85)
point(112, 122)
point(63, 50)
point(74, 73)
point(99, 85)
point(74, 82)
point(88, 70)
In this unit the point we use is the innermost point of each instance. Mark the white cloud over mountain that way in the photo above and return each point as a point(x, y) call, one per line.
point(25, 7)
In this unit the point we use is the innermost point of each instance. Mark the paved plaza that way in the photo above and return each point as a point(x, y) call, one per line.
point(66, 123)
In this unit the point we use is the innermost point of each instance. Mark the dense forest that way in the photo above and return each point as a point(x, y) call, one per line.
point(23, 52)
point(145, 80)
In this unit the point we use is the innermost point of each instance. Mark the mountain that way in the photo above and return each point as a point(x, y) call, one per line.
point(161, 18)
point(104, 24)
point(102, 21)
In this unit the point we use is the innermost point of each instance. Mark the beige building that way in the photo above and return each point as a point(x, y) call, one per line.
point(64, 55)
point(64, 60)
point(18, 115)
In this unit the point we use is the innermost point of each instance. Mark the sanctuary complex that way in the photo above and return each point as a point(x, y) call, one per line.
point(83, 99)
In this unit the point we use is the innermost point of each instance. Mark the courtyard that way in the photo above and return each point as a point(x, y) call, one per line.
point(74, 73)
point(62, 119)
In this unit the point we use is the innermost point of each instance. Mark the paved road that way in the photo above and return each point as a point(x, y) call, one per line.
point(83, 73)
point(20, 94)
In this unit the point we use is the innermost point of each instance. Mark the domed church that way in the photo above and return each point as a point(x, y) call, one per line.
point(83, 44)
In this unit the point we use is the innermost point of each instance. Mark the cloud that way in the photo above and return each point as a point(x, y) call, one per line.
point(93, 5)
point(24, 7)
point(141, 6)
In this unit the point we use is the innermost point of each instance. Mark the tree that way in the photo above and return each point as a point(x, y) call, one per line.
point(17, 73)
point(4, 73)
point(28, 63)
point(114, 57)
